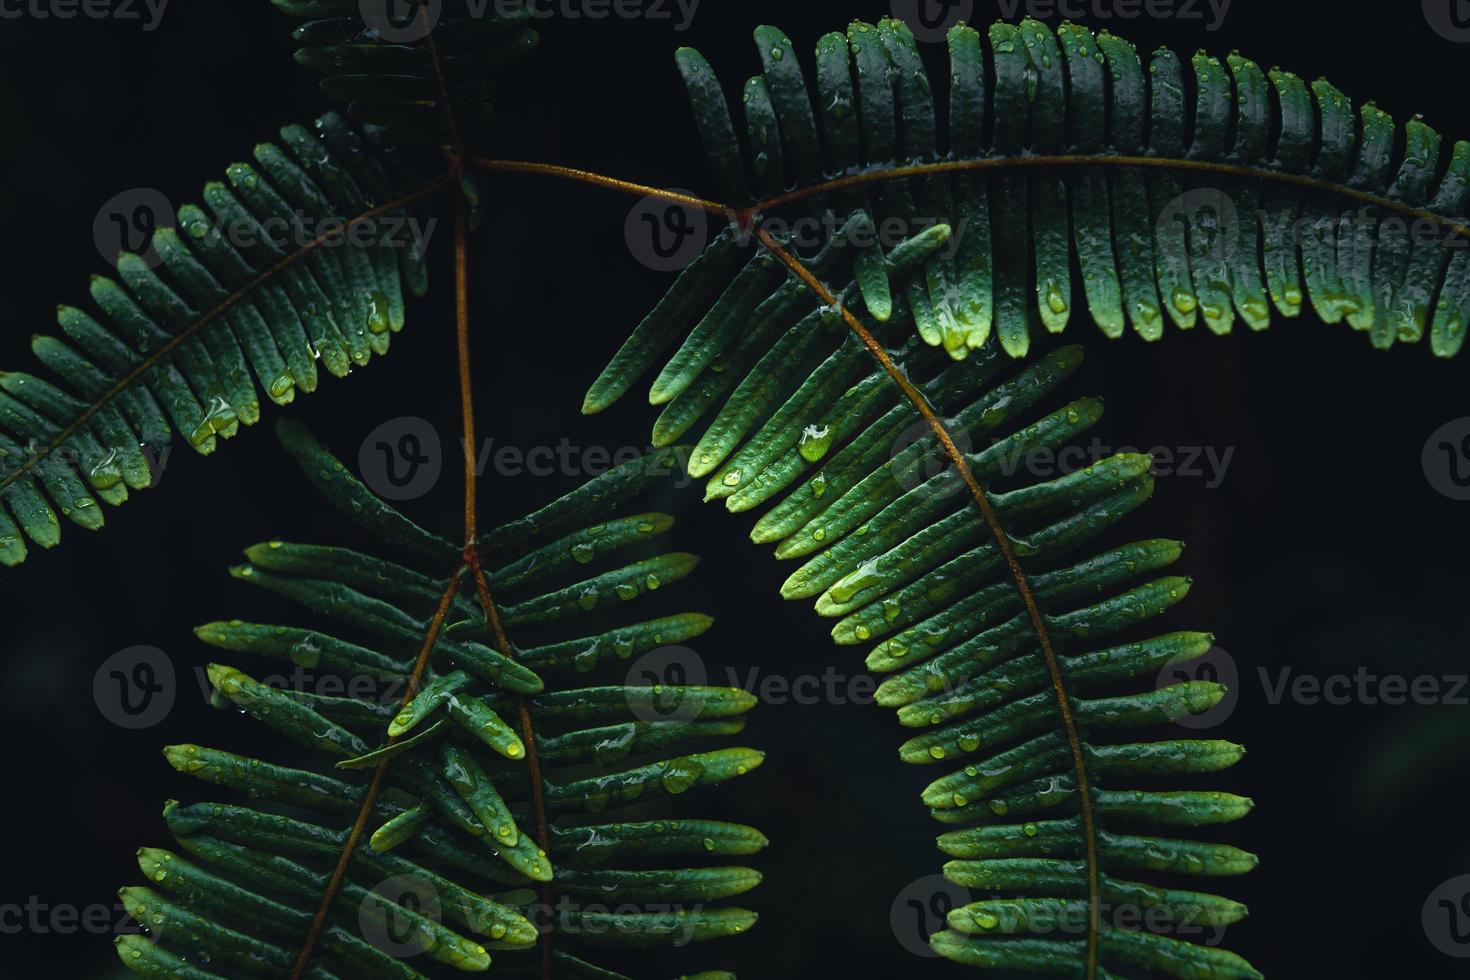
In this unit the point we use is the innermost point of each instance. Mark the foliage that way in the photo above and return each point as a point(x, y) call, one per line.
point(1179, 192)
point(210, 316)
point(880, 422)
point(412, 81)
point(495, 818)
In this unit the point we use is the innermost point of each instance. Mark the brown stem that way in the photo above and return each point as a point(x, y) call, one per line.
point(602, 180)
point(451, 122)
point(1003, 542)
point(339, 873)
point(472, 555)
point(533, 759)
point(466, 388)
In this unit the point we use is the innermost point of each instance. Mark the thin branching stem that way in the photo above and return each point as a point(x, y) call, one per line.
point(471, 550)
point(369, 800)
point(533, 760)
point(466, 385)
point(456, 143)
point(606, 182)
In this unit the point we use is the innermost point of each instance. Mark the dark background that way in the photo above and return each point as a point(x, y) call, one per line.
point(1324, 550)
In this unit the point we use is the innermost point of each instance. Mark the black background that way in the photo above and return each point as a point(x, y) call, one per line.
point(1324, 550)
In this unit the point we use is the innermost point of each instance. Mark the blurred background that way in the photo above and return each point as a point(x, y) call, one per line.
point(1322, 549)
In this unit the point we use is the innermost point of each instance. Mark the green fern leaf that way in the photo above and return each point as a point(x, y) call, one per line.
point(461, 818)
point(421, 76)
point(991, 621)
point(1076, 172)
point(231, 310)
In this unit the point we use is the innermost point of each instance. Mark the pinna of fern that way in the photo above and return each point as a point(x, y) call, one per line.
point(996, 614)
point(1018, 660)
point(1074, 171)
point(423, 71)
point(219, 309)
point(514, 801)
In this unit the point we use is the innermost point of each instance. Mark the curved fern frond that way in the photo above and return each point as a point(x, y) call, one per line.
point(424, 75)
point(1075, 172)
point(245, 295)
point(516, 802)
point(986, 616)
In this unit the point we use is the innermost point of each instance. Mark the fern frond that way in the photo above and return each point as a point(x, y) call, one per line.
point(990, 619)
point(175, 347)
point(419, 76)
point(516, 801)
point(1076, 172)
